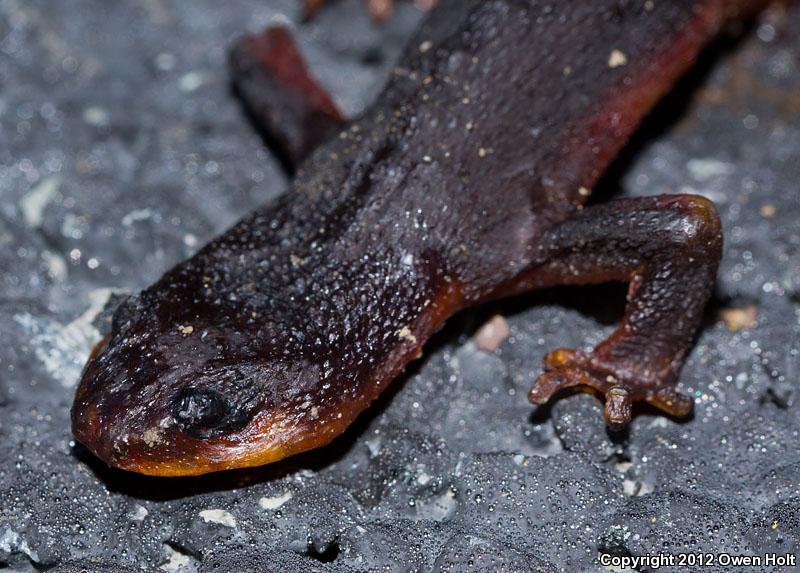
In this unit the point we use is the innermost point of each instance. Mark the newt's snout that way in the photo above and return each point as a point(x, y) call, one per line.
point(105, 419)
point(162, 400)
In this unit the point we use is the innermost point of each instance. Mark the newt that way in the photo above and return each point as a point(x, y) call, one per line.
point(465, 182)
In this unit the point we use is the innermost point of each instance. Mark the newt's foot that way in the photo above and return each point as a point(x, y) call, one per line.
point(566, 368)
point(379, 10)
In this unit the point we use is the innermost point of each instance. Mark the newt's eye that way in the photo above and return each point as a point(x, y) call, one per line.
point(202, 412)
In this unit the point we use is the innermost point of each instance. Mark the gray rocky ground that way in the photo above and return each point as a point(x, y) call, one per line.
point(122, 151)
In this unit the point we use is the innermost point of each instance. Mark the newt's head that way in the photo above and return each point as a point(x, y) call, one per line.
point(166, 398)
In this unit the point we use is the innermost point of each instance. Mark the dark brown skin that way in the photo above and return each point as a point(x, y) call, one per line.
point(464, 183)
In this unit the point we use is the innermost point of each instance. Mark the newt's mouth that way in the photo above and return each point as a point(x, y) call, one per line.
point(172, 453)
point(169, 452)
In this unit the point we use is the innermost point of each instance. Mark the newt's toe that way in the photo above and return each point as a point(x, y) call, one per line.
point(562, 357)
point(672, 402)
point(567, 368)
point(552, 381)
point(618, 408)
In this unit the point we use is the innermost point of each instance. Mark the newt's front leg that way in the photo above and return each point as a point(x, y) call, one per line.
point(289, 106)
point(669, 248)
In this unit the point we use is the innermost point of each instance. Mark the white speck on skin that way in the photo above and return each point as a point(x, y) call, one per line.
point(34, 202)
point(152, 437)
point(406, 334)
point(617, 59)
point(219, 516)
point(275, 502)
point(407, 260)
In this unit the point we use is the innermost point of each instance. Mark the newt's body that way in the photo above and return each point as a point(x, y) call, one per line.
point(464, 183)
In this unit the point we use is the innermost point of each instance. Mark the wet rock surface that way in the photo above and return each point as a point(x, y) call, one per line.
point(122, 151)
